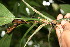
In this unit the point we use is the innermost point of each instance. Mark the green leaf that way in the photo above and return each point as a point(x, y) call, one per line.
point(65, 8)
point(5, 15)
point(5, 41)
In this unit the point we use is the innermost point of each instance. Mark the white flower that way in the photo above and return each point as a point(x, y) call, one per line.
point(51, 1)
point(27, 10)
point(3, 33)
point(62, 11)
point(46, 3)
point(30, 42)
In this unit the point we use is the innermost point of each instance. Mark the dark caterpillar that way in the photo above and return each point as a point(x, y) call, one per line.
point(16, 23)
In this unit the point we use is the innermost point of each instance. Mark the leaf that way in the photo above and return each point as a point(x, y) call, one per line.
point(5, 41)
point(65, 8)
point(5, 15)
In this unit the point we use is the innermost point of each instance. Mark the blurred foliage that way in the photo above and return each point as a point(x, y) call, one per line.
point(18, 9)
point(65, 7)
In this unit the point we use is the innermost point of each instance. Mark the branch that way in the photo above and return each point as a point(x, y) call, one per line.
point(34, 33)
point(48, 19)
point(67, 19)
